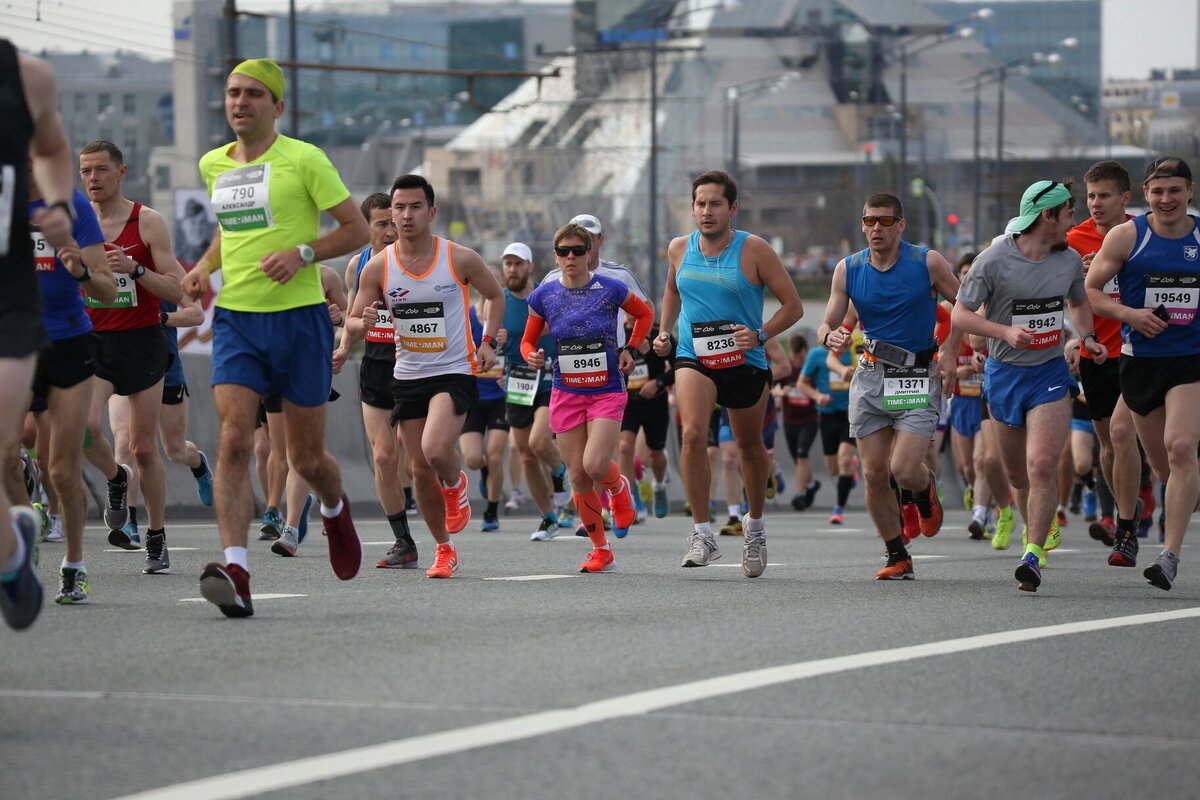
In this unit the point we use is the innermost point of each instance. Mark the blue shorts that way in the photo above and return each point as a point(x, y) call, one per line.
point(724, 430)
point(174, 376)
point(1013, 390)
point(965, 415)
point(285, 353)
point(1082, 425)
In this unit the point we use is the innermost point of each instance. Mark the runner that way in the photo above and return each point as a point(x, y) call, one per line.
point(716, 280)
point(486, 431)
point(375, 382)
point(966, 415)
point(648, 411)
point(424, 280)
point(271, 329)
point(32, 130)
point(63, 383)
point(1108, 193)
point(131, 352)
point(1025, 279)
point(896, 391)
point(1154, 261)
point(589, 396)
point(527, 398)
point(800, 424)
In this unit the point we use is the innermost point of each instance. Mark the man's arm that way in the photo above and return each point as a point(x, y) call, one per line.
point(102, 286)
point(195, 283)
point(1106, 265)
point(351, 232)
point(364, 309)
point(189, 314)
point(165, 283)
point(830, 333)
point(53, 167)
point(772, 274)
point(335, 295)
point(1082, 320)
point(941, 275)
point(480, 276)
point(669, 310)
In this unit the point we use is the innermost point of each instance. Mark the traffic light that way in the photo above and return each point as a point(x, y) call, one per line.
point(952, 219)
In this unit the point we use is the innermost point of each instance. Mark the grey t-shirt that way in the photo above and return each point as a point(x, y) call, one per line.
point(1025, 293)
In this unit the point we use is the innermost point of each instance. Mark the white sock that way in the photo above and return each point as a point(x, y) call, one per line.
point(72, 564)
point(458, 483)
point(18, 556)
point(330, 513)
point(605, 546)
point(704, 528)
point(753, 524)
point(979, 512)
point(236, 555)
point(659, 485)
point(735, 511)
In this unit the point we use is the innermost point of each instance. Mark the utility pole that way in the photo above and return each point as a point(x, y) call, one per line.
point(230, 40)
point(294, 72)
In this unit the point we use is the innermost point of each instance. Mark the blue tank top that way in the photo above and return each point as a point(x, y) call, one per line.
point(1164, 272)
point(63, 311)
point(516, 313)
point(714, 296)
point(897, 306)
point(175, 376)
point(489, 389)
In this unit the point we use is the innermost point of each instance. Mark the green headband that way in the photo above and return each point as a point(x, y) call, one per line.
point(265, 71)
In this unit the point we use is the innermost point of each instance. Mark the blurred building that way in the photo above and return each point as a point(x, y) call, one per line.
point(1161, 112)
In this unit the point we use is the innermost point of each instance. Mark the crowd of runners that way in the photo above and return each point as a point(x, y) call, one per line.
point(1063, 359)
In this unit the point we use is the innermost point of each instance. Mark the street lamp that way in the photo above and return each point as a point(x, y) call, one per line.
point(733, 99)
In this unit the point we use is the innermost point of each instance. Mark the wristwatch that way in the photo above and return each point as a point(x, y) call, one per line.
point(162, 318)
point(138, 271)
point(1091, 335)
point(762, 336)
point(306, 253)
point(489, 340)
point(85, 277)
point(65, 206)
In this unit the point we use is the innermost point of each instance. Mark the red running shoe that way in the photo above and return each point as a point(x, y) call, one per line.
point(911, 521)
point(227, 586)
point(458, 506)
point(345, 550)
point(599, 560)
point(621, 505)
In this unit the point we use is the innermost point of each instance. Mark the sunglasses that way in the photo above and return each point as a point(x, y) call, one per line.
point(886, 222)
point(563, 251)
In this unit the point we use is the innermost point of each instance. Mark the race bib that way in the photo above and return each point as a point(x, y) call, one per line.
point(640, 374)
point(241, 198)
point(497, 370)
point(1113, 288)
point(522, 385)
point(971, 387)
point(798, 399)
point(126, 294)
point(384, 329)
point(1044, 317)
point(582, 364)
point(905, 388)
point(8, 194)
point(714, 345)
point(420, 327)
point(1178, 292)
point(44, 254)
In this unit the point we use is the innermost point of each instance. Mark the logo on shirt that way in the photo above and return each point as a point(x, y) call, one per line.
point(445, 287)
point(1190, 252)
point(595, 285)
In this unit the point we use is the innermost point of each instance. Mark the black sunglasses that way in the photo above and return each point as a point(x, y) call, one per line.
point(562, 251)
point(886, 222)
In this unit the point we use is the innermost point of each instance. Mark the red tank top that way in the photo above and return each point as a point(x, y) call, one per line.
point(135, 307)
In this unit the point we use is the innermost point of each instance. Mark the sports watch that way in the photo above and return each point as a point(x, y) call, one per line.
point(306, 253)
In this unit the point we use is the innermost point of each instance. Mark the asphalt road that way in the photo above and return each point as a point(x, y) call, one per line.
point(648, 682)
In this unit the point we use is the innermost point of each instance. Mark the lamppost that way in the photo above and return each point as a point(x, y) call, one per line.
point(951, 32)
point(734, 95)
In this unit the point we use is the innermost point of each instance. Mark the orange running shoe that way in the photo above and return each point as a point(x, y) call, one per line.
point(445, 563)
point(897, 569)
point(933, 523)
point(599, 560)
point(458, 506)
point(621, 504)
point(910, 522)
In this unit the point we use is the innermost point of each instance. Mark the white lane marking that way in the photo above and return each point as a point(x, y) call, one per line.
point(915, 557)
point(172, 548)
point(739, 566)
point(255, 597)
point(838, 530)
point(285, 775)
point(531, 578)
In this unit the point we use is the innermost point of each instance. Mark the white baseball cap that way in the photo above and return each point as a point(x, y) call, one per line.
point(588, 222)
point(520, 250)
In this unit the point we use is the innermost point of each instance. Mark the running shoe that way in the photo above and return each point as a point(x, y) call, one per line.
point(780, 483)
point(969, 497)
point(490, 523)
point(483, 479)
point(581, 529)
point(402, 555)
point(623, 513)
point(55, 534)
point(1061, 517)
point(836, 517)
point(810, 493)
point(646, 492)
point(1090, 505)
point(345, 549)
point(561, 485)
point(1053, 539)
point(1104, 531)
point(1004, 526)
point(158, 559)
point(977, 527)
point(287, 544)
point(754, 551)
point(1162, 572)
point(547, 529)
point(772, 487)
point(933, 523)
point(302, 528)
point(1025, 542)
point(458, 507)
point(566, 517)
point(732, 528)
point(20, 591)
point(116, 512)
point(73, 587)
point(43, 521)
point(1124, 550)
point(703, 550)
point(127, 538)
point(514, 501)
point(898, 568)
point(910, 520)
point(445, 563)
point(1028, 574)
point(204, 483)
point(599, 560)
point(662, 504)
point(272, 526)
point(227, 586)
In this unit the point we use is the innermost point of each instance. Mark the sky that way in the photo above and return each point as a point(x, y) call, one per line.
point(1138, 34)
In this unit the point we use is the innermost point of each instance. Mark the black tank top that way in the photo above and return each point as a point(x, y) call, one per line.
point(16, 247)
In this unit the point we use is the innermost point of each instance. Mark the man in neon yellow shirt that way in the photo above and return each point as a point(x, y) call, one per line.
point(271, 329)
